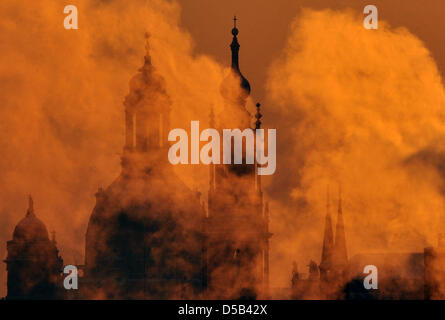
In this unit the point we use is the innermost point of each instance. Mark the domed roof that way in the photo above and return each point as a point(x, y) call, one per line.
point(145, 82)
point(30, 228)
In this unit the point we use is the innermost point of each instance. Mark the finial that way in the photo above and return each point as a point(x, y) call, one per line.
point(258, 116)
point(235, 29)
point(30, 206)
point(147, 56)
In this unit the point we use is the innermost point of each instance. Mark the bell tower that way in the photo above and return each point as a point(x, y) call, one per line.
point(236, 228)
point(147, 116)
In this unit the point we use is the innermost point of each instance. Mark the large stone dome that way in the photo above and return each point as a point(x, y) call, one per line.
point(30, 228)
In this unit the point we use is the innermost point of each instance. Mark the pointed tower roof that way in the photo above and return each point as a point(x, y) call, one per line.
point(340, 251)
point(234, 46)
point(328, 238)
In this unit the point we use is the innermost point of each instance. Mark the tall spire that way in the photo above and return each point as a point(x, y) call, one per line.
point(328, 239)
point(341, 255)
point(30, 211)
point(234, 46)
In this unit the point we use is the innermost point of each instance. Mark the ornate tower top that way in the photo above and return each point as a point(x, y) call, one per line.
point(147, 108)
point(30, 228)
point(234, 46)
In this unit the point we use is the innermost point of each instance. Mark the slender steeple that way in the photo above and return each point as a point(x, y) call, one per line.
point(212, 165)
point(340, 251)
point(258, 116)
point(234, 46)
point(328, 239)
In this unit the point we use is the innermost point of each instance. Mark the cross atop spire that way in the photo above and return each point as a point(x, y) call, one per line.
point(234, 46)
point(147, 57)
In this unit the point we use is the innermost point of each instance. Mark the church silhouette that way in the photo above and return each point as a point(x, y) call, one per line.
point(149, 236)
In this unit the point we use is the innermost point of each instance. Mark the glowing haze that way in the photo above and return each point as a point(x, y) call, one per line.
point(364, 108)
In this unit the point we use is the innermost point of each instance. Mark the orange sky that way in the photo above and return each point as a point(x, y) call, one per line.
point(62, 112)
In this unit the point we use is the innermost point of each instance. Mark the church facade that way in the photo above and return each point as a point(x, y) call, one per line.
point(150, 236)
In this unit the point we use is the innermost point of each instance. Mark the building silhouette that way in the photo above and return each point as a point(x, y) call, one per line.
point(237, 226)
point(149, 236)
point(401, 275)
point(144, 238)
point(334, 258)
point(326, 281)
point(33, 263)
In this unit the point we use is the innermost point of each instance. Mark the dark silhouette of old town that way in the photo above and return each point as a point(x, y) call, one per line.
point(151, 237)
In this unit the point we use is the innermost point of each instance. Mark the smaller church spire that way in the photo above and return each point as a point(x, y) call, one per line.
point(340, 250)
point(258, 116)
point(30, 211)
point(328, 240)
